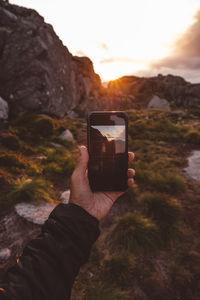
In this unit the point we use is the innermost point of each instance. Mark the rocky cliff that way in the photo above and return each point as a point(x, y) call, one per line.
point(37, 72)
point(140, 90)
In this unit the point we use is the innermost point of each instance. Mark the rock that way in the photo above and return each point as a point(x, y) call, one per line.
point(193, 169)
point(56, 145)
point(174, 89)
point(3, 109)
point(139, 294)
point(159, 103)
point(179, 112)
point(38, 73)
point(15, 233)
point(67, 136)
point(41, 157)
point(65, 196)
point(4, 254)
point(36, 214)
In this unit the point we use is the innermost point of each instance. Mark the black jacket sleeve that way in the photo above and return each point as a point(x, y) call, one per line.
point(50, 263)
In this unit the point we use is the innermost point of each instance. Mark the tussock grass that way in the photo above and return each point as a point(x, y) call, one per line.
point(28, 190)
point(59, 161)
point(165, 211)
point(155, 288)
point(5, 179)
point(43, 126)
point(103, 291)
point(119, 269)
point(192, 137)
point(155, 130)
point(167, 182)
point(12, 161)
point(95, 255)
point(130, 196)
point(134, 233)
point(181, 277)
point(11, 141)
point(34, 128)
point(160, 180)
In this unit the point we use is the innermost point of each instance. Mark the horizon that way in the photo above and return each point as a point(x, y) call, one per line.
point(143, 44)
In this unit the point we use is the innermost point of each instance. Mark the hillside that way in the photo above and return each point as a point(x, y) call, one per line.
point(159, 217)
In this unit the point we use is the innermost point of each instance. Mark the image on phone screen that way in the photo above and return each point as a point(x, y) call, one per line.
point(108, 159)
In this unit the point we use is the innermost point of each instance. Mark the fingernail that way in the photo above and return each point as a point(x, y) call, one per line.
point(82, 148)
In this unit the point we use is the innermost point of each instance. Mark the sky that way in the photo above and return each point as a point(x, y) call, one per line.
point(125, 37)
point(112, 132)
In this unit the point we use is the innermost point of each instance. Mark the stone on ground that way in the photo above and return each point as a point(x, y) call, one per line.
point(193, 169)
point(36, 214)
point(159, 103)
point(67, 136)
point(3, 109)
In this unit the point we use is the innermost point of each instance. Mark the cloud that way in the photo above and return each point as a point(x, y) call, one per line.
point(186, 53)
point(118, 59)
point(102, 46)
point(80, 53)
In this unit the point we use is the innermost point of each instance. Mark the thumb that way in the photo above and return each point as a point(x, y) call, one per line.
point(83, 161)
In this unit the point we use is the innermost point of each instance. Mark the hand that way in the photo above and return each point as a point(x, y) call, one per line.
point(97, 204)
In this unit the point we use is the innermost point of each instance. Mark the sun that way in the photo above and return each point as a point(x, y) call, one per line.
point(114, 70)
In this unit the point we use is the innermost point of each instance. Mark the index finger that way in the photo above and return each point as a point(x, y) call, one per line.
point(131, 157)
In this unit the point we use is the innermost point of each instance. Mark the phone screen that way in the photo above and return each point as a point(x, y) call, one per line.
point(107, 143)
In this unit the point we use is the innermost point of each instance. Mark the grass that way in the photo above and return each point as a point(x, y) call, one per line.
point(130, 196)
point(167, 182)
point(119, 270)
point(12, 161)
point(155, 288)
point(160, 180)
point(28, 190)
point(181, 279)
point(192, 137)
point(35, 128)
point(165, 211)
point(43, 126)
point(59, 162)
point(100, 291)
point(156, 130)
point(95, 255)
point(10, 141)
point(134, 233)
point(134, 254)
point(5, 179)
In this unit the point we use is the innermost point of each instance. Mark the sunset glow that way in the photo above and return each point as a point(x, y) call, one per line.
point(112, 132)
point(120, 37)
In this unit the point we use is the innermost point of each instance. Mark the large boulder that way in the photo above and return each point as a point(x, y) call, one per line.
point(159, 103)
point(38, 73)
point(3, 109)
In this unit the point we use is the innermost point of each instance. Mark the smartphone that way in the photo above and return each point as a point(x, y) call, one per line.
point(107, 139)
